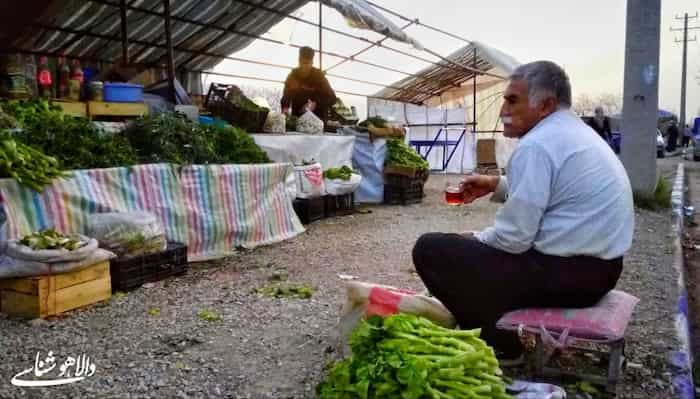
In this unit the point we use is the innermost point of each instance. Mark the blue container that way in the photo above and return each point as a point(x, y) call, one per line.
point(206, 120)
point(123, 92)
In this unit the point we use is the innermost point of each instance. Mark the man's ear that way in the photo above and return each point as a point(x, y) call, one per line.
point(548, 106)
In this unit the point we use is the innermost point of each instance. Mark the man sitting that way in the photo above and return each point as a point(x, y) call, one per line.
point(567, 220)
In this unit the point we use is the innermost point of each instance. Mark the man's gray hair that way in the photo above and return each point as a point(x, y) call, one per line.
point(545, 79)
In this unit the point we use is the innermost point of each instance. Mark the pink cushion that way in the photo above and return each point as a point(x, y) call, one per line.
point(606, 321)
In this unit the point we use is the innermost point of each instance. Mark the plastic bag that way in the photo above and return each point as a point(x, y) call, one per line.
point(128, 234)
point(340, 186)
point(535, 390)
point(13, 268)
point(22, 252)
point(275, 123)
point(309, 123)
point(309, 180)
point(367, 299)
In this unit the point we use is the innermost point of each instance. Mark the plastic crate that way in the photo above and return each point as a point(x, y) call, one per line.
point(122, 92)
point(309, 209)
point(403, 190)
point(130, 273)
point(339, 205)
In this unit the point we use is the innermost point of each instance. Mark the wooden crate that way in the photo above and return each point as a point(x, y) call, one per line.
point(99, 108)
point(45, 296)
point(72, 108)
point(485, 151)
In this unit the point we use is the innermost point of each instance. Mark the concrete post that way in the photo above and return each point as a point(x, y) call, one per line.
point(641, 94)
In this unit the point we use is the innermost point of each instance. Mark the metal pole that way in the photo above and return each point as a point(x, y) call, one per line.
point(169, 45)
point(474, 93)
point(320, 34)
point(124, 32)
point(684, 73)
point(371, 46)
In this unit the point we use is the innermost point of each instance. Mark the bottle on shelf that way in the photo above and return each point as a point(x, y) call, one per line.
point(64, 73)
point(44, 78)
point(76, 81)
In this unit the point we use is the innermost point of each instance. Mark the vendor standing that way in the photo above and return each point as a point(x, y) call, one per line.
point(307, 86)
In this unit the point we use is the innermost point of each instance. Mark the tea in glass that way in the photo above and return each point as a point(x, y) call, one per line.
point(454, 194)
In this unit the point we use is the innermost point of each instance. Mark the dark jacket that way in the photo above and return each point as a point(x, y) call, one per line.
point(315, 87)
point(603, 131)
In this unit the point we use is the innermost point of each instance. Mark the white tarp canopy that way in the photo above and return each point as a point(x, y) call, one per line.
point(427, 103)
point(359, 14)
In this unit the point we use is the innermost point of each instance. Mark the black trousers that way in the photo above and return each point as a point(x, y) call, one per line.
point(479, 283)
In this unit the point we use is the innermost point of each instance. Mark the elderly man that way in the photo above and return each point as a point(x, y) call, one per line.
point(559, 238)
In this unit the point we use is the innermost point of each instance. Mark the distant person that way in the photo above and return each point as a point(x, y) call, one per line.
point(601, 124)
point(307, 86)
point(672, 133)
point(687, 135)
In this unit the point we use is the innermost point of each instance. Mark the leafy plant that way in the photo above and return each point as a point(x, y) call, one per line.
point(400, 154)
point(75, 142)
point(282, 290)
point(208, 315)
point(660, 199)
point(173, 138)
point(405, 356)
point(343, 173)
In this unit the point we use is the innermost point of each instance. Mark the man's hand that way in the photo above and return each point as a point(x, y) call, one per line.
point(478, 186)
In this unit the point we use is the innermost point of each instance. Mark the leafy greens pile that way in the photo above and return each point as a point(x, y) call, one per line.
point(173, 138)
point(50, 239)
point(28, 166)
point(342, 173)
point(75, 142)
point(408, 357)
point(400, 154)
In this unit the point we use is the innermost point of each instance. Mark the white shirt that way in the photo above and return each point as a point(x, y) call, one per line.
point(567, 194)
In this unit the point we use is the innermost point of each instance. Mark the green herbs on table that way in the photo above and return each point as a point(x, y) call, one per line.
point(342, 173)
point(175, 139)
point(399, 153)
point(50, 239)
point(409, 357)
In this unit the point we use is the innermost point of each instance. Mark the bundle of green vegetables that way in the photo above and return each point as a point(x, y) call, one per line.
point(173, 138)
point(75, 142)
point(342, 173)
point(376, 121)
point(50, 239)
point(28, 166)
point(400, 154)
point(409, 357)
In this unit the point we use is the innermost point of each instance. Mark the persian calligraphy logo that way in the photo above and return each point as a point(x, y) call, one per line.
point(74, 369)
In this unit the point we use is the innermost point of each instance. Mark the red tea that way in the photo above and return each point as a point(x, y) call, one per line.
point(454, 197)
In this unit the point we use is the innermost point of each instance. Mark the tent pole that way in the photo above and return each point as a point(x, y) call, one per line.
point(124, 32)
point(320, 35)
point(474, 93)
point(171, 57)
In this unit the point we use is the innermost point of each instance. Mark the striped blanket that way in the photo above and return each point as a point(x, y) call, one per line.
point(211, 208)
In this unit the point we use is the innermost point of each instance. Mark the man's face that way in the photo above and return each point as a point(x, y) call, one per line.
point(517, 114)
point(305, 65)
point(599, 113)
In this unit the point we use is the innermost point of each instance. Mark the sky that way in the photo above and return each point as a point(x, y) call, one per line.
point(586, 37)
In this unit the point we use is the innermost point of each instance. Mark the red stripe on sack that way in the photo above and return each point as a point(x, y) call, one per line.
point(382, 302)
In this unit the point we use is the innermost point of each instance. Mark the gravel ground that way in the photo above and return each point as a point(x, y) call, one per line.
point(153, 343)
